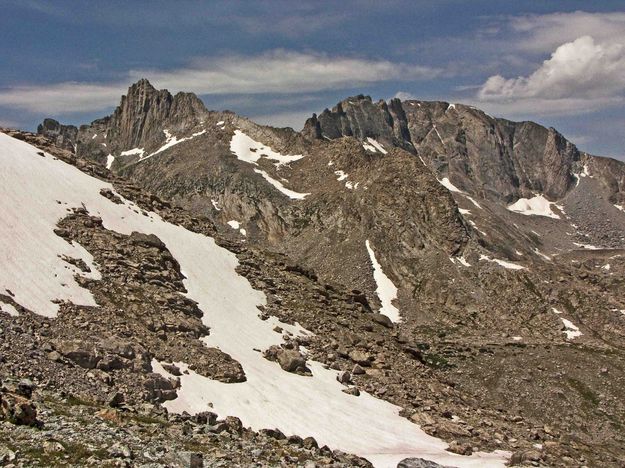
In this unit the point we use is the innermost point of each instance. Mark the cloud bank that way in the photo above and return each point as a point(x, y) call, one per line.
point(277, 71)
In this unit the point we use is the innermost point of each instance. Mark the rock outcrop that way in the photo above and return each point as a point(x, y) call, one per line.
point(63, 136)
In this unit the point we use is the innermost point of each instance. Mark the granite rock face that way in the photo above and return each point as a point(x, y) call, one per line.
point(492, 157)
point(144, 112)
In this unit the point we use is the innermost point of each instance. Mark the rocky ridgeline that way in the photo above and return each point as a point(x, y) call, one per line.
point(493, 158)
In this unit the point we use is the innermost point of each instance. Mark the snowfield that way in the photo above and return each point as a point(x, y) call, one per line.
point(37, 191)
point(386, 290)
point(537, 205)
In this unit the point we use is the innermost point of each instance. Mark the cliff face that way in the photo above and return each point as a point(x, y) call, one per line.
point(361, 118)
point(480, 154)
point(144, 112)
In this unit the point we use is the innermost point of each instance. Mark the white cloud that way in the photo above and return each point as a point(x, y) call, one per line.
point(543, 33)
point(283, 72)
point(582, 68)
point(581, 75)
point(277, 71)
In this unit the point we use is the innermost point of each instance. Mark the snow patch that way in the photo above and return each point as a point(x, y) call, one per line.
point(234, 224)
point(132, 152)
point(540, 254)
point(8, 309)
point(251, 151)
point(460, 260)
point(280, 187)
point(538, 205)
point(220, 123)
point(503, 263)
point(477, 205)
point(445, 182)
point(215, 204)
point(341, 175)
point(373, 146)
point(464, 212)
point(109, 161)
point(386, 290)
point(171, 140)
point(620, 207)
point(570, 329)
point(587, 246)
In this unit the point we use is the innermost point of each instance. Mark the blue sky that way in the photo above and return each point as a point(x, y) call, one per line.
point(560, 63)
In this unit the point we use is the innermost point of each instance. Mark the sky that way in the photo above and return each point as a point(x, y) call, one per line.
point(559, 63)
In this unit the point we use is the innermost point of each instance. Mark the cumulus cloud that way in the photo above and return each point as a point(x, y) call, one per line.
point(273, 72)
point(582, 74)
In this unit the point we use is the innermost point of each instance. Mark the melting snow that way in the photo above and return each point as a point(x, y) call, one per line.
point(220, 123)
point(620, 207)
point(215, 205)
point(445, 182)
point(170, 141)
point(503, 263)
point(237, 225)
point(571, 329)
point(464, 212)
point(271, 397)
point(540, 254)
point(9, 309)
point(251, 151)
point(537, 205)
point(587, 246)
point(373, 146)
point(133, 151)
point(386, 290)
point(461, 260)
point(109, 161)
point(472, 223)
point(280, 187)
point(477, 205)
point(341, 175)
point(94, 136)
